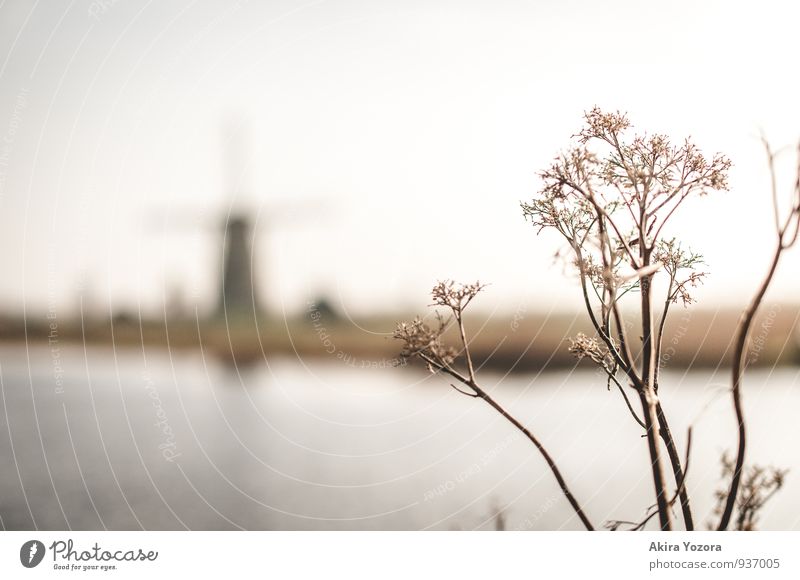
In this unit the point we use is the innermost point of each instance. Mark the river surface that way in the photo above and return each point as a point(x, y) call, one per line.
point(94, 439)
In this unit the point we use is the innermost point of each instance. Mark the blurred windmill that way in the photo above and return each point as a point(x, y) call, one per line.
point(238, 297)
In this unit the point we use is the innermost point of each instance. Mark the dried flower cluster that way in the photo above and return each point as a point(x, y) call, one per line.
point(583, 346)
point(681, 266)
point(423, 341)
point(455, 296)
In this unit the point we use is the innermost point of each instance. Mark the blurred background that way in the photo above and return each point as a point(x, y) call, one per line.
point(212, 214)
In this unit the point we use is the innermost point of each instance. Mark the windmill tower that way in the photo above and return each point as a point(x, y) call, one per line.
point(238, 294)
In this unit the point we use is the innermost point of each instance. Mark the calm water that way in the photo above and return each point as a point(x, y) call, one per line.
point(114, 440)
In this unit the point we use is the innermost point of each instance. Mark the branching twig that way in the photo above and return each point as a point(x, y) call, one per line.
point(425, 343)
point(742, 334)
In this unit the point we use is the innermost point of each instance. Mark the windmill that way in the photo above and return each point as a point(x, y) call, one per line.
point(238, 299)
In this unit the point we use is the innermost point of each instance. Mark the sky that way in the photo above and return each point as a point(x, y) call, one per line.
point(385, 145)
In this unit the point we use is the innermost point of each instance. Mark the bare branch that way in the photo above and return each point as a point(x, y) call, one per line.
point(742, 336)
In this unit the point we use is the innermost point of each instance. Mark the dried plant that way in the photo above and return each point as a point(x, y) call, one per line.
point(786, 233)
point(421, 342)
point(610, 197)
point(758, 485)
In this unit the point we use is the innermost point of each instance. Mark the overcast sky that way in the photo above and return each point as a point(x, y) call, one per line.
point(389, 142)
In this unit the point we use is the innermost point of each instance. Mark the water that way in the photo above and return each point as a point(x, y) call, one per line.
point(119, 441)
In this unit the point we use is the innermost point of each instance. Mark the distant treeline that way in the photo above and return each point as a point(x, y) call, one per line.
point(694, 338)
